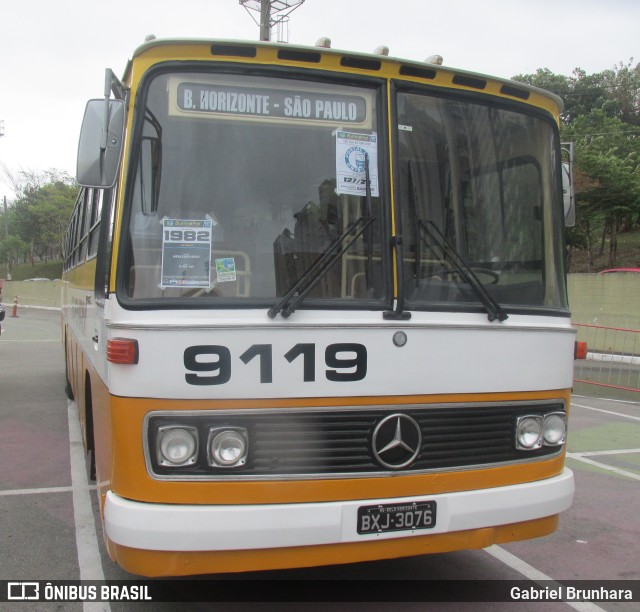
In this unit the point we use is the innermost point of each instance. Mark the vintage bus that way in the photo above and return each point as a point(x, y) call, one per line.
point(315, 308)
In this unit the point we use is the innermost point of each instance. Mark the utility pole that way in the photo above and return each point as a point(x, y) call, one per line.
point(6, 216)
point(265, 20)
point(272, 13)
point(6, 235)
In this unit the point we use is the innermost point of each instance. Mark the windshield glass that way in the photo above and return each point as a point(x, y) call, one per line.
point(241, 183)
point(484, 179)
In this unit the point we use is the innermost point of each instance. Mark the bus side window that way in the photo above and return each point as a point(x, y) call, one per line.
point(94, 222)
point(105, 243)
point(150, 165)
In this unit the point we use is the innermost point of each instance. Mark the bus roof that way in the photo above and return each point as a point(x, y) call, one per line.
point(370, 63)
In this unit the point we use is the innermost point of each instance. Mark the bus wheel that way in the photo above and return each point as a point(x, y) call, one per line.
point(90, 458)
point(68, 389)
point(91, 466)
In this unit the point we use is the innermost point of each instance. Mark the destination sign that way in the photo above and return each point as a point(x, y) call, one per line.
point(270, 103)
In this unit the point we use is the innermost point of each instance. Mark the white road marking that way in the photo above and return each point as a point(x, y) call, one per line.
point(86, 539)
point(28, 341)
point(621, 451)
point(626, 416)
point(530, 572)
point(603, 466)
point(40, 490)
point(584, 455)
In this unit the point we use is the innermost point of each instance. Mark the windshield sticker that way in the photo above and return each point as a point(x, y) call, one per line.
point(226, 270)
point(186, 252)
point(351, 152)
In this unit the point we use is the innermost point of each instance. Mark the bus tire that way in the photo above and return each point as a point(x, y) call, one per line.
point(68, 389)
point(90, 463)
point(90, 457)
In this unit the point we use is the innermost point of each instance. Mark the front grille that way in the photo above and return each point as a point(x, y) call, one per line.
point(338, 442)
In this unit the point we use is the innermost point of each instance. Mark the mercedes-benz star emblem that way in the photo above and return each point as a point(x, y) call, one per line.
point(396, 441)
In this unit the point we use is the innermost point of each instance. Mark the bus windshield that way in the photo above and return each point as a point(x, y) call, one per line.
point(243, 183)
point(478, 185)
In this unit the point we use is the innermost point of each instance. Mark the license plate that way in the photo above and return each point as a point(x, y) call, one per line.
point(408, 516)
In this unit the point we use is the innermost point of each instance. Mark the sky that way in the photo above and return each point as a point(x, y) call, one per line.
point(53, 52)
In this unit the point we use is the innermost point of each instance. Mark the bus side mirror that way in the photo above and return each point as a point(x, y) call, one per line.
point(568, 194)
point(101, 143)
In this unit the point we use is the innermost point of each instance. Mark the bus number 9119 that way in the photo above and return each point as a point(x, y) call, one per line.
point(211, 364)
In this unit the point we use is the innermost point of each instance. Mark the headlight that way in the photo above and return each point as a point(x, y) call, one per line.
point(555, 429)
point(529, 432)
point(176, 446)
point(227, 447)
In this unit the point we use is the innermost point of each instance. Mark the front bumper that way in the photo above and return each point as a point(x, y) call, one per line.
point(176, 527)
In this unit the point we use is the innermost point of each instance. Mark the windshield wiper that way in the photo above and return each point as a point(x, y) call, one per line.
point(448, 252)
point(494, 310)
point(312, 276)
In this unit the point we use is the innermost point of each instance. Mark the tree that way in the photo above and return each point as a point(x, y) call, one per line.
point(12, 250)
point(41, 210)
point(623, 85)
point(52, 209)
point(580, 92)
point(608, 153)
point(616, 92)
point(602, 118)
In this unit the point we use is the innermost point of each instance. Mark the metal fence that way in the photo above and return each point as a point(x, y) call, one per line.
point(613, 357)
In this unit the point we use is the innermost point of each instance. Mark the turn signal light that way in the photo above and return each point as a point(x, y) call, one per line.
point(123, 351)
point(580, 350)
